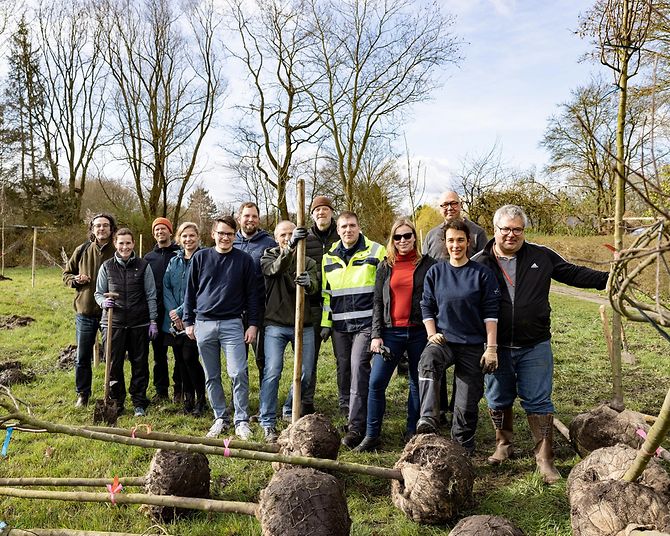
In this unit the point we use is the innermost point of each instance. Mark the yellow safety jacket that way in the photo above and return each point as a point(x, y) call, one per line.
point(348, 288)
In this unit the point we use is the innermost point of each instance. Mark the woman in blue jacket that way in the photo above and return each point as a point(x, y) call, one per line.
point(185, 349)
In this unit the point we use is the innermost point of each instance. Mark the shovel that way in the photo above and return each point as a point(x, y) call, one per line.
point(106, 410)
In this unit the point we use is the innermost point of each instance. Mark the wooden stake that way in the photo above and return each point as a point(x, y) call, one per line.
point(299, 305)
point(73, 532)
point(34, 255)
point(72, 482)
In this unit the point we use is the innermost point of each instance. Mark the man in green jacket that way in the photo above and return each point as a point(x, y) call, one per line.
point(81, 273)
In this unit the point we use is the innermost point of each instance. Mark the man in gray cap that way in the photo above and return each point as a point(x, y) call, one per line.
point(320, 238)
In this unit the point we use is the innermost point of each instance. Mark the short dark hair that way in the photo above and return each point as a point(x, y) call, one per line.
point(457, 225)
point(348, 214)
point(248, 204)
point(110, 219)
point(227, 220)
point(124, 231)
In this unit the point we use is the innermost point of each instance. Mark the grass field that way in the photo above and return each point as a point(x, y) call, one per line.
point(582, 379)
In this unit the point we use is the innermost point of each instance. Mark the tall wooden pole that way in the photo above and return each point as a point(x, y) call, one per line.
point(34, 254)
point(299, 303)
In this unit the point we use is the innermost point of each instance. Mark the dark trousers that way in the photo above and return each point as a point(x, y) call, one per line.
point(186, 359)
point(86, 332)
point(469, 382)
point(160, 373)
point(135, 343)
point(308, 393)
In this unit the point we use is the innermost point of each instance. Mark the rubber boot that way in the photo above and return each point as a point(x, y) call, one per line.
point(503, 423)
point(542, 428)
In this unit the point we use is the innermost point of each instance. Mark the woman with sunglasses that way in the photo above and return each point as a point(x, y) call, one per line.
point(396, 327)
point(460, 311)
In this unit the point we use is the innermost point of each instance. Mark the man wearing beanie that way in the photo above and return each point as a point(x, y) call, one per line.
point(321, 236)
point(158, 259)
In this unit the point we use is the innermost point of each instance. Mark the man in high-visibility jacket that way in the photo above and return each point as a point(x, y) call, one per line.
point(348, 282)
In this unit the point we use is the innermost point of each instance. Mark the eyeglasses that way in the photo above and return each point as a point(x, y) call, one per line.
point(450, 204)
point(399, 237)
point(223, 234)
point(516, 231)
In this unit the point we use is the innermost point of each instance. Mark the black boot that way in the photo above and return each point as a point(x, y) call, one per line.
point(189, 403)
point(200, 407)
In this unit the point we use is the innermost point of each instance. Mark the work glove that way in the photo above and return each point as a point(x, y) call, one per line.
point(153, 330)
point(489, 360)
point(108, 303)
point(303, 280)
point(299, 233)
point(325, 334)
point(438, 338)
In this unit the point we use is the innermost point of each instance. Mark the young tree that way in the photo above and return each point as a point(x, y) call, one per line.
point(167, 79)
point(374, 60)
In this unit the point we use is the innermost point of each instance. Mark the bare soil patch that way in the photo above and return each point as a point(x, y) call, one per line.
point(15, 321)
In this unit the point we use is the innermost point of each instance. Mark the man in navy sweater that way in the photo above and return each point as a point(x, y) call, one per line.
point(220, 287)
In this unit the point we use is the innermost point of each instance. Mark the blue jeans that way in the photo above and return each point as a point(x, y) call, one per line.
point(526, 373)
point(86, 329)
point(276, 340)
point(212, 335)
point(413, 340)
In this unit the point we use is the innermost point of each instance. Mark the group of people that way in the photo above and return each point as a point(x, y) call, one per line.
point(461, 300)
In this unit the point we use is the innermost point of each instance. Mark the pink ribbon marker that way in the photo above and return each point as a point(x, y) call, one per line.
point(643, 435)
point(226, 450)
point(133, 430)
point(114, 488)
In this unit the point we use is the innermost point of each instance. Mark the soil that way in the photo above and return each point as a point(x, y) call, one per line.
point(15, 321)
point(177, 473)
point(300, 501)
point(312, 435)
point(12, 373)
point(67, 357)
point(437, 479)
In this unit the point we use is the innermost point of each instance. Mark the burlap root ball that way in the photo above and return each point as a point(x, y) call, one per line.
point(611, 507)
point(312, 435)
point(300, 501)
point(611, 463)
point(183, 474)
point(437, 479)
point(485, 526)
point(606, 427)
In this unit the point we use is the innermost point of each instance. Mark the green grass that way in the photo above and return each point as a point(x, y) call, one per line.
point(582, 380)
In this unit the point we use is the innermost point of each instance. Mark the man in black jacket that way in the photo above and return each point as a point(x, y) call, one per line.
point(320, 238)
point(159, 258)
point(525, 361)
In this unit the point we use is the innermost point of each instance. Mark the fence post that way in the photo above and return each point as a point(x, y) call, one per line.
point(34, 254)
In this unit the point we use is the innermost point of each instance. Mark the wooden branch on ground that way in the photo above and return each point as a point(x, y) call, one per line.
point(69, 532)
point(71, 482)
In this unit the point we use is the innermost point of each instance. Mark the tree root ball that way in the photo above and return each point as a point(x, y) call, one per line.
point(176, 473)
point(611, 463)
point(437, 479)
point(300, 501)
point(610, 507)
point(485, 526)
point(606, 427)
point(312, 435)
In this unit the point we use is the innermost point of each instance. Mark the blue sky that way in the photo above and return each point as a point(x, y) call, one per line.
point(520, 61)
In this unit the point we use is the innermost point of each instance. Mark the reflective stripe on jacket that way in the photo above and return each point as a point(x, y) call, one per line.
point(348, 289)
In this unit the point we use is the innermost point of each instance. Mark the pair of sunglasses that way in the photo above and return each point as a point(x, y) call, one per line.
point(406, 236)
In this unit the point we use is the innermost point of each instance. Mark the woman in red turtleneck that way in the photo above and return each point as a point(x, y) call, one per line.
point(397, 325)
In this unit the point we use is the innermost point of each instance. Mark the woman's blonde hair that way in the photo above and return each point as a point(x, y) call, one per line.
point(392, 251)
point(185, 226)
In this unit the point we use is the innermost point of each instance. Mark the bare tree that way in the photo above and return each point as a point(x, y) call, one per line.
point(73, 84)
point(375, 58)
point(168, 82)
point(273, 45)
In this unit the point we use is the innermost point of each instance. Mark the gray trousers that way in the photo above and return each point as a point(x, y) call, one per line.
point(354, 359)
point(469, 387)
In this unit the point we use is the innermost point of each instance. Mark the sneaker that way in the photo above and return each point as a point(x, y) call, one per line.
point(82, 401)
point(271, 434)
point(217, 428)
point(242, 430)
point(140, 412)
point(426, 425)
point(287, 417)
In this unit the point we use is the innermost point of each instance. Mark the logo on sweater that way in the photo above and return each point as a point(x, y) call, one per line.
point(534, 265)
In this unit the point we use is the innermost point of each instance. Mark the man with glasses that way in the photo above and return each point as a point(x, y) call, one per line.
point(81, 273)
point(220, 286)
point(450, 208)
point(525, 360)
